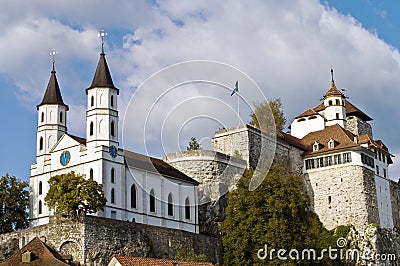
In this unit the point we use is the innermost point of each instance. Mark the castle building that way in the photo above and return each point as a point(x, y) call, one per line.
point(345, 170)
point(138, 188)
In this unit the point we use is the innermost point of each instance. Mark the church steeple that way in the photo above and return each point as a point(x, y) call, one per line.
point(102, 112)
point(102, 77)
point(53, 93)
point(52, 116)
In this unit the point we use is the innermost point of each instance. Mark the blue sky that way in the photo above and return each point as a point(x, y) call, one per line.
point(287, 47)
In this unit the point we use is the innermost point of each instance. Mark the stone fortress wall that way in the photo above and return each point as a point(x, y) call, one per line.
point(94, 240)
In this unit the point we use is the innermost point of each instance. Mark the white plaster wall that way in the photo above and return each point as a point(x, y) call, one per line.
point(384, 203)
point(302, 128)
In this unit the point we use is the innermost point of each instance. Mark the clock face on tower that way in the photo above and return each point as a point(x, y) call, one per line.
point(113, 151)
point(65, 157)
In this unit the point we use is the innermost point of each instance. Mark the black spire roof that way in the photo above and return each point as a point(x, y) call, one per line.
point(53, 93)
point(102, 77)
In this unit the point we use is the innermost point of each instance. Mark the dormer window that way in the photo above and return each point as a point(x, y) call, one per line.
point(315, 146)
point(331, 144)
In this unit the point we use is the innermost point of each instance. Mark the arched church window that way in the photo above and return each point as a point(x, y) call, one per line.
point(133, 196)
point(113, 196)
point(42, 117)
point(92, 101)
point(41, 143)
point(112, 129)
point(152, 201)
point(91, 174)
point(112, 175)
point(40, 188)
point(170, 205)
point(40, 207)
point(112, 100)
point(187, 209)
point(91, 129)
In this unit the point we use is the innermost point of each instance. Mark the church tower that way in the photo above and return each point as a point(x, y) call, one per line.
point(52, 116)
point(334, 102)
point(102, 112)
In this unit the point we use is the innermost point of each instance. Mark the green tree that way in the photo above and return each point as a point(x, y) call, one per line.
point(263, 111)
point(277, 213)
point(193, 145)
point(186, 255)
point(14, 204)
point(72, 194)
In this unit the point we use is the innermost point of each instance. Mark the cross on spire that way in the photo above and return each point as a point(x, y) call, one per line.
point(53, 56)
point(102, 34)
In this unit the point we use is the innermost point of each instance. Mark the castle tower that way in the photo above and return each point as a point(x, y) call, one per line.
point(102, 112)
point(334, 102)
point(52, 117)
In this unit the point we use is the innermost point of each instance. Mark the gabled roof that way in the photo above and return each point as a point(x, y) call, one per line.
point(53, 93)
point(342, 137)
point(78, 139)
point(136, 261)
point(155, 165)
point(102, 77)
point(40, 253)
point(308, 112)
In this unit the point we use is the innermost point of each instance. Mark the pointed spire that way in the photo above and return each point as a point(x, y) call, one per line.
point(53, 93)
point(102, 77)
point(333, 91)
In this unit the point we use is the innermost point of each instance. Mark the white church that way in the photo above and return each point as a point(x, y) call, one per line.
point(138, 188)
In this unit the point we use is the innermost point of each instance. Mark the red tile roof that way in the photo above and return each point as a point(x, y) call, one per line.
point(136, 261)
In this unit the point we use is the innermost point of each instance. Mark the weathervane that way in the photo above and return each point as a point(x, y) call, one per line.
point(53, 55)
point(101, 34)
point(332, 74)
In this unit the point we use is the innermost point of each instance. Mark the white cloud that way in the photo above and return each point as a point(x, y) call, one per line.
point(287, 47)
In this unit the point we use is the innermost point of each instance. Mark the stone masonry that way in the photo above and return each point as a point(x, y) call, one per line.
point(357, 126)
point(93, 240)
point(344, 195)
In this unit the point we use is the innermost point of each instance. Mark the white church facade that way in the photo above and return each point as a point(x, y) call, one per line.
point(138, 188)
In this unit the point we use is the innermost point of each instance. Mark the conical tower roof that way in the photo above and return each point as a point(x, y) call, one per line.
point(53, 93)
point(333, 91)
point(102, 77)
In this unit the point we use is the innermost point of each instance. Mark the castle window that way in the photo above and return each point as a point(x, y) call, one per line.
point(337, 102)
point(301, 120)
point(91, 129)
point(331, 144)
point(170, 205)
point(91, 174)
point(337, 159)
point(113, 196)
point(152, 201)
point(40, 207)
point(337, 115)
point(329, 102)
point(187, 209)
point(92, 101)
point(61, 117)
point(377, 170)
point(384, 172)
point(365, 159)
point(40, 188)
point(133, 196)
point(112, 100)
point(113, 175)
point(41, 143)
point(329, 199)
point(112, 129)
point(347, 157)
point(384, 158)
point(320, 162)
point(310, 164)
point(328, 160)
point(42, 117)
point(315, 146)
point(312, 117)
point(380, 156)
